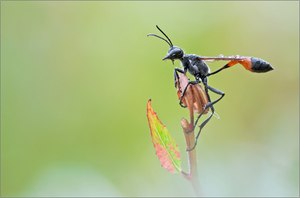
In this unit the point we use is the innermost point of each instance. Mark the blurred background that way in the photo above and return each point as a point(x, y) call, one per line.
point(76, 77)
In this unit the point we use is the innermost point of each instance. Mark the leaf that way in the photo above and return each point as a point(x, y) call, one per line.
point(166, 148)
point(194, 98)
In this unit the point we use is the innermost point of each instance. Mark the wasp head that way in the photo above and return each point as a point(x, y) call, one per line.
point(174, 53)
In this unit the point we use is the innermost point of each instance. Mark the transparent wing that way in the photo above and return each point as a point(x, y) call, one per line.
point(222, 58)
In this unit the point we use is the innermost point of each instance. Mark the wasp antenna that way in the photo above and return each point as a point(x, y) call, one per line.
point(160, 38)
point(165, 35)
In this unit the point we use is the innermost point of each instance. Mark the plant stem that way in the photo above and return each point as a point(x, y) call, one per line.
point(192, 176)
point(194, 98)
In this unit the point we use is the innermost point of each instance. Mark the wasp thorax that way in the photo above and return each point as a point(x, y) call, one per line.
point(174, 53)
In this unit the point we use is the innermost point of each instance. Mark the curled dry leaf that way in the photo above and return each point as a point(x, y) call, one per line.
point(166, 148)
point(194, 98)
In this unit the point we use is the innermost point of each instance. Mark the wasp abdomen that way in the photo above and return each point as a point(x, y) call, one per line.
point(258, 65)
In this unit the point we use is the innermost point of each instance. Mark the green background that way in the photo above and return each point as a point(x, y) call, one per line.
point(76, 77)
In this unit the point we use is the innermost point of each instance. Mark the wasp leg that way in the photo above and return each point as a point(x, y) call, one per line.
point(190, 82)
point(199, 116)
point(230, 64)
point(183, 93)
point(208, 105)
point(224, 67)
point(201, 126)
point(176, 76)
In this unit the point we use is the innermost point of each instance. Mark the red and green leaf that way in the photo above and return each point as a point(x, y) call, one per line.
point(166, 148)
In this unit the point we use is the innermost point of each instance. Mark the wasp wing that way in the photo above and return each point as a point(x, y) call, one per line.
point(222, 58)
point(250, 63)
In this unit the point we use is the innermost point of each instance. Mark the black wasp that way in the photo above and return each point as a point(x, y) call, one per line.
point(197, 67)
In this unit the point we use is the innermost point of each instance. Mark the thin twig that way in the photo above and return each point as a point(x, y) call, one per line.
point(192, 176)
point(193, 99)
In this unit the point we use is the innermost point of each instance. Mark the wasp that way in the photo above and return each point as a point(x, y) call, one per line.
point(196, 65)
